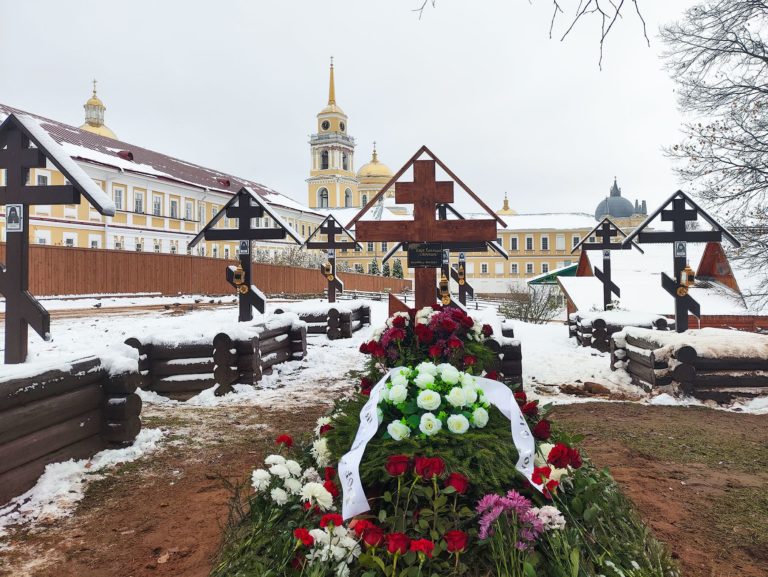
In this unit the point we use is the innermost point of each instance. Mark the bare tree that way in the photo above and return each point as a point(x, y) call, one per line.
point(536, 304)
point(718, 57)
point(608, 12)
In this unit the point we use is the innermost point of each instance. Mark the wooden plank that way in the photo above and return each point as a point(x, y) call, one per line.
point(121, 432)
point(184, 351)
point(186, 385)
point(648, 360)
point(168, 368)
point(717, 379)
point(121, 408)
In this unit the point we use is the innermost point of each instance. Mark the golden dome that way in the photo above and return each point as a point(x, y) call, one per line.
point(101, 130)
point(374, 169)
point(94, 116)
point(505, 210)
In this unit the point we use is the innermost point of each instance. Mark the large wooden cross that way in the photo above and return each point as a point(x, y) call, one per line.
point(245, 206)
point(331, 229)
point(25, 145)
point(605, 231)
point(679, 215)
point(425, 193)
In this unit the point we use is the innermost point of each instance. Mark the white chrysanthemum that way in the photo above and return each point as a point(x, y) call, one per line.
point(550, 516)
point(398, 431)
point(427, 367)
point(398, 394)
point(310, 474)
point(279, 496)
point(321, 453)
point(316, 494)
point(275, 460)
point(293, 468)
point(450, 375)
point(428, 400)
point(458, 424)
point(467, 380)
point(457, 397)
point(429, 424)
point(293, 486)
point(423, 380)
point(480, 417)
point(280, 471)
point(399, 379)
point(471, 394)
point(320, 423)
point(260, 479)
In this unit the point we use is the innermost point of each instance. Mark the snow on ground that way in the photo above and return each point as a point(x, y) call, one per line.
point(63, 485)
point(118, 300)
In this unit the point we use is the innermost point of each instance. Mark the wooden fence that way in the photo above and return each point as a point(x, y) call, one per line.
point(57, 270)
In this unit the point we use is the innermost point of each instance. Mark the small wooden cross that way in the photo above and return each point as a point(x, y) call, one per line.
point(331, 228)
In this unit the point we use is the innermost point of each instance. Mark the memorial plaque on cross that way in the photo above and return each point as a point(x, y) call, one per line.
point(676, 210)
point(24, 145)
point(605, 231)
point(331, 228)
point(425, 193)
point(245, 206)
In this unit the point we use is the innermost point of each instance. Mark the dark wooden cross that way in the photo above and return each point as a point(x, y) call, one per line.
point(425, 193)
point(605, 231)
point(331, 229)
point(679, 214)
point(18, 134)
point(245, 206)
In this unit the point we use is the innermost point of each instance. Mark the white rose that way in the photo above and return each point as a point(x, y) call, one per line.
point(293, 468)
point(260, 479)
point(398, 431)
point(399, 379)
point(427, 367)
point(293, 486)
point(424, 380)
point(471, 394)
point(279, 496)
point(428, 400)
point(467, 380)
point(384, 394)
point(450, 375)
point(430, 425)
point(275, 460)
point(458, 424)
point(456, 397)
point(398, 394)
point(480, 418)
point(316, 494)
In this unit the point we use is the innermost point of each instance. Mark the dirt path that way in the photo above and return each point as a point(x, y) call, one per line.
point(695, 475)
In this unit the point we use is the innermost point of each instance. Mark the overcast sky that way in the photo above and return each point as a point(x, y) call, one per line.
point(236, 85)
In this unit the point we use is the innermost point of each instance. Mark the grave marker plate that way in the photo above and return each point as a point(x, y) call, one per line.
point(425, 255)
point(14, 218)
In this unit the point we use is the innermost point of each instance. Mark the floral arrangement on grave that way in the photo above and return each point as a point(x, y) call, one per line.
point(444, 490)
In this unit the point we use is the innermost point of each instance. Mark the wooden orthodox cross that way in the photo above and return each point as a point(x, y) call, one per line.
point(679, 214)
point(24, 144)
point(425, 193)
point(245, 206)
point(330, 227)
point(605, 231)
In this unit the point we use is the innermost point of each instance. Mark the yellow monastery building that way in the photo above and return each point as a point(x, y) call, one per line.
point(163, 202)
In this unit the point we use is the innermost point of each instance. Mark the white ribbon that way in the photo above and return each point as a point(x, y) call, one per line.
point(354, 500)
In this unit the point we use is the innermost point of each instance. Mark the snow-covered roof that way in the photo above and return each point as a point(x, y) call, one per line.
point(85, 146)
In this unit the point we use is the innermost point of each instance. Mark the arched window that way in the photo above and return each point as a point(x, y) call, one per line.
point(365, 199)
point(347, 198)
point(322, 198)
point(324, 160)
point(344, 162)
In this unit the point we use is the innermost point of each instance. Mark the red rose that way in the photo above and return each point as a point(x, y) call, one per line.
point(541, 474)
point(286, 440)
point(521, 397)
point(378, 351)
point(365, 392)
point(428, 467)
point(424, 334)
point(435, 351)
point(398, 322)
point(325, 428)
point(365, 348)
point(559, 456)
point(575, 458)
point(469, 360)
point(360, 525)
point(329, 473)
point(397, 465)
point(468, 322)
point(397, 334)
point(303, 535)
point(530, 409)
point(331, 519)
point(456, 541)
point(423, 546)
point(448, 325)
point(458, 482)
point(454, 343)
point(331, 487)
point(487, 330)
point(398, 543)
point(493, 375)
point(542, 430)
point(373, 536)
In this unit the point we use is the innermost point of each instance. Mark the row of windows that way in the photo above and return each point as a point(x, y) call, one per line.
point(544, 242)
point(322, 198)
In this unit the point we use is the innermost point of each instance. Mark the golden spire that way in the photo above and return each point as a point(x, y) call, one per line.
point(332, 87)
